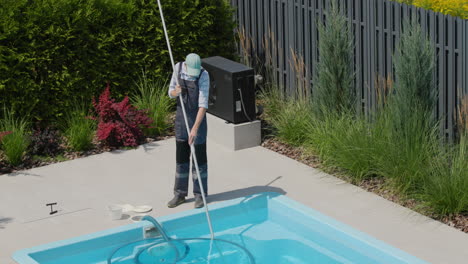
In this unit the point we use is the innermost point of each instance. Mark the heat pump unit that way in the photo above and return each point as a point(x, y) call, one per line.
point(232, 90)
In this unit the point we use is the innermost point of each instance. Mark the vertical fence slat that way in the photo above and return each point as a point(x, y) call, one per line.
point(314, 31)
point(442, 75)
point(439, 63)
point(423, 17)
point(388, 39)
point(247, 17)
point(465, 57)
point(307, 45)
point(362, 58)
point(381, 39)
point(266, 23)
point(275, 39)
point(294, 38)
point(451, 87)
point(279, 16)
point(406, 11)
point(321, 9)
point(253, 15)
point(433, 39)
point(299, 26)
point(393, 36)
point(290, 30)
point(372, 49)
point(465, 52)
point(259, 25)
point(241, 13)
point(459, 63)
point(235, 15)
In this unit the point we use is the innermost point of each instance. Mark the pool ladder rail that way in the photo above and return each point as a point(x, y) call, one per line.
point(154, 231)
point(151, 232)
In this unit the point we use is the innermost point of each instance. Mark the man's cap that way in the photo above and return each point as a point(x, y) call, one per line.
point(193, 63)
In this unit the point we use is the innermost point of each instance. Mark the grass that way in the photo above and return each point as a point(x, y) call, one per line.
point(292, 122)
point(405, 154)
point(14, 145)
point(78, 129)
point(346, 142)
point(272, 99)
point(152, 96)
point(339, 139)
point(446, 188)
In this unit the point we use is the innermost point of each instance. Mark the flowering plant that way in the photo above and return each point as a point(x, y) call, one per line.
point(458, 8)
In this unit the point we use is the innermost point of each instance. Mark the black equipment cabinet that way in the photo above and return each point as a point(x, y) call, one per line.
point(232, 90)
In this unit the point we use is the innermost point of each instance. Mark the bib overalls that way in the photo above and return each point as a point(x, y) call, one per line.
point(189, 94)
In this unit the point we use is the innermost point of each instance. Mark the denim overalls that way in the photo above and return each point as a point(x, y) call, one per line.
point(190, 93)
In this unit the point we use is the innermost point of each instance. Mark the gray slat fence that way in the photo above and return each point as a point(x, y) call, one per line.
point(376, 26)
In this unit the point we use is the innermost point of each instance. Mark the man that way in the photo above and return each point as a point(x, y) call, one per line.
point(192, 83)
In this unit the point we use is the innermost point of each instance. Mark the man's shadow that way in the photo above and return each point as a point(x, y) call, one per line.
point(4, 221)
point(233, 194)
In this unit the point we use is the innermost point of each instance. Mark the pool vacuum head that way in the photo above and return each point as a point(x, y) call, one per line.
point(181, 251)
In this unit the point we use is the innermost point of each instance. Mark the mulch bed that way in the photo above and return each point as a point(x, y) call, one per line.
point(374, 185)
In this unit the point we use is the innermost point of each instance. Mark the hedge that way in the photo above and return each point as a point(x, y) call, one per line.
point(55, 53)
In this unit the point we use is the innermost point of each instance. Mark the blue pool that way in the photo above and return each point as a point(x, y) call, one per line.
point(265, 228)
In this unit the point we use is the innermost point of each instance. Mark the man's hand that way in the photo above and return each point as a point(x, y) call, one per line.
point(193, 135)
point(194, 131)
point(178, 90)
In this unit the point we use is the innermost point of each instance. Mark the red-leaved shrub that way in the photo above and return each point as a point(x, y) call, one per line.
point(120, 124)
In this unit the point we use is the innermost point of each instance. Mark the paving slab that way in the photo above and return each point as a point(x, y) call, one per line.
point(84, 187)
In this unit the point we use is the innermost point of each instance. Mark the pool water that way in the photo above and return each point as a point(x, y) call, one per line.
point(273, 228)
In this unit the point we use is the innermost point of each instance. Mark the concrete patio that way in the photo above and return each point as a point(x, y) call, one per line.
point(84, 187)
